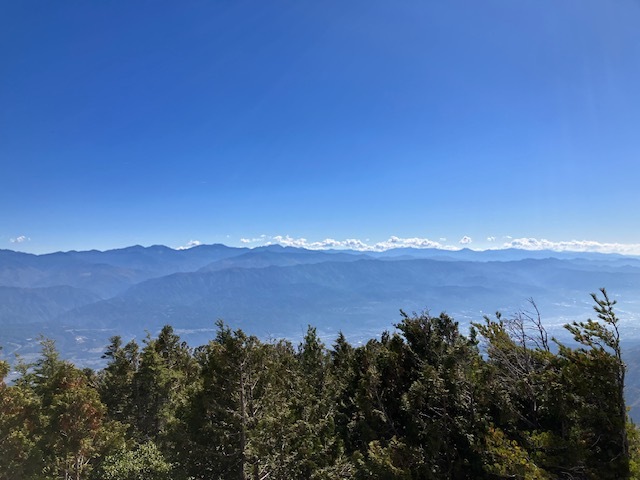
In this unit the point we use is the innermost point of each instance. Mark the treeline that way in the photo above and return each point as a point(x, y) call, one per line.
point(426, 402)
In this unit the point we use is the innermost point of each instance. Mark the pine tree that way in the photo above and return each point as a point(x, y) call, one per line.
point(220, 415)
point(144, 462)
point(61, 410)
point(116, 379)
point(20, 455)
point(159, 387)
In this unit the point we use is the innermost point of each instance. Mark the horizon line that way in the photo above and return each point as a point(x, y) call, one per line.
point(527, 244)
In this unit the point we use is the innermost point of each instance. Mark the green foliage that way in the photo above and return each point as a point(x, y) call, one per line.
point(391, 462)
point(633, 436)
point(221, 414)
point(19, 432)
point(508, 459)
point(53, 424)
point(4, 370)
point(425, 402)
point(159, 384)
point(144, 462)
point(116, 380)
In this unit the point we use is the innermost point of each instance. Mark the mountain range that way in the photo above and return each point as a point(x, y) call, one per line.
point(82, 298)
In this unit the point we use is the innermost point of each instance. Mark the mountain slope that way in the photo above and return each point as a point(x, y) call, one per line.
point(105, 273)
point(40, 305)
point(352, 295)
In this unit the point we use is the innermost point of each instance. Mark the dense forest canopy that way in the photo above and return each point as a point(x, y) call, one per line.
point(424, 402)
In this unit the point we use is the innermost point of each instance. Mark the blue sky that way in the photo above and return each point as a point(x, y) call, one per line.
point(154, 122)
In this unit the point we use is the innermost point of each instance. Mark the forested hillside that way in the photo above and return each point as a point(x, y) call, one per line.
point(423, 402)
point(80, 299)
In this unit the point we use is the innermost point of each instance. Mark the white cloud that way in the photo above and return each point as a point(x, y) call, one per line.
point(412, 242)
point(190, 244)
point(261, 238)
point(417, 242)
point(20, 239)
point(355, 244)
point(573, 246)
point(288, 241)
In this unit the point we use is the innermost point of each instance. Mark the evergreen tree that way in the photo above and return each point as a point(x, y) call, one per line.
point(444, 418)
point(565, 413)
point(317, 452)
point(220, 415)
point(159, 387)
point(20, 455)
point(60, 410)
point(421, 403)
point(144, 462)
point(594, 375)
point(116, 379)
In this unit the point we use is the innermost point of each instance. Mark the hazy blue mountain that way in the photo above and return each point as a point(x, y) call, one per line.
point(503, 255)
point(40, 305)
point(105, 273)
point(276, 255)
point(158, 259)
point(32, 271)
point(81, 298)
point(358, 296)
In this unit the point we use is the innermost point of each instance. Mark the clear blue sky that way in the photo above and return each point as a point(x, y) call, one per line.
point(125, 122)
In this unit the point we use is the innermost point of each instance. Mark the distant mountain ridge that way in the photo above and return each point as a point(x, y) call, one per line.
point(105, 273)
point(275, 290)
point(34, 305)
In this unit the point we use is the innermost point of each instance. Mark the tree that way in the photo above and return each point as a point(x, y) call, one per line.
point(116, 379)
point(56, 408)
point(594, 374)
point(424, 402)
point(159, 387)
point(315, 449)
point(78, 432)
point(223, 411)
point(20, 456)
point(144, 462)
point(445, 418)
point(559, 415)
